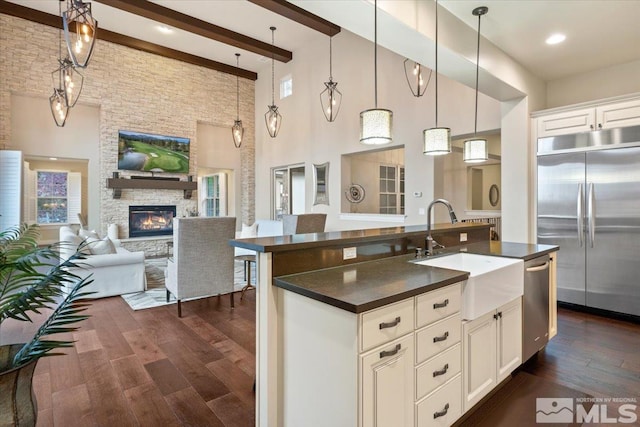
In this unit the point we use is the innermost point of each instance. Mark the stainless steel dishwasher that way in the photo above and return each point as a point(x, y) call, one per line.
point(535, 316)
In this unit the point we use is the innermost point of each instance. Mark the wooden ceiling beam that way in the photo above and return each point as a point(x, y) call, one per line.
point(193, 25)
point(55, 21)
point(299, 15)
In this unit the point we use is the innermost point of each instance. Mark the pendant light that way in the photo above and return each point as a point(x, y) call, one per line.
point(437, 140)
point(59, 101)
point(330, 97)
point(476, 150)
point(80, 29)
point(414, 73)
point(376, 123)
point(237, 130)
point(272, 118)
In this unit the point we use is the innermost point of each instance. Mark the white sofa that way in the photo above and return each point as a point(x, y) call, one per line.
point(113, 274)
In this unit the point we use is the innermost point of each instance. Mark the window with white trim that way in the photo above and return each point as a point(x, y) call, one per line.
point(57, 197)
point(391, 189)
point(214, 195)
point(286, 86)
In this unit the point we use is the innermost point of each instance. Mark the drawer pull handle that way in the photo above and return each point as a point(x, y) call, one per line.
point(384, 325)
point(442, 338)
point(388, 353)
point(441, 371)
point(441, 413)
point(441, 304)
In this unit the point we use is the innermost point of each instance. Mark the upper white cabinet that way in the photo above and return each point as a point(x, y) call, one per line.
point(605, 116)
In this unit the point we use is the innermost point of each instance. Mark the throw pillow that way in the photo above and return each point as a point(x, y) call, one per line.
point(249, 230)
point(100, 247)
point(88, 233)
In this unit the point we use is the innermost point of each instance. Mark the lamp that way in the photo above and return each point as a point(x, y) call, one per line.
point(376, 123)
point(237, 130)
point(330, 97)
point(79, 20)
point(58, 104)
point(71, 81)
point(437, 140)
point(272, 118)
point(476, 149)
point(413, 72)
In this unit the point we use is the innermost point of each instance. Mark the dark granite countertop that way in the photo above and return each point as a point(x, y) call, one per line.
point(364, 286)
point(524, 251)
point(368, 285)
point(311, 240)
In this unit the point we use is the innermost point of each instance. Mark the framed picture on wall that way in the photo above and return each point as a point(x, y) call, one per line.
point(321, 184)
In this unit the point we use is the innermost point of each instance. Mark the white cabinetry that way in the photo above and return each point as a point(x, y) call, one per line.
point(605, 116)
point(553, 294)
point(492, 349)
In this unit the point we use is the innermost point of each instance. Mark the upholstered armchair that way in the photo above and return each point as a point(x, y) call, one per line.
point(303, 223)
point(202, 263)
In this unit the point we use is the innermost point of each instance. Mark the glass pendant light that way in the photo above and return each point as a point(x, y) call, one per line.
point(237, 130)
point(476, 150)
point(415, 75)
point(80, 29)
point(376, 123)
point(330, 97)
point(437, 140)
point(72, 81)
point(272, 118)
point(59, 101)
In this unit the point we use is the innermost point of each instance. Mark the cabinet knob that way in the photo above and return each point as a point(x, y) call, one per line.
point(387, 353)
point(591, 127)
point(441, 413)
point(442, 338)
point(599, 125)
point(391, 324)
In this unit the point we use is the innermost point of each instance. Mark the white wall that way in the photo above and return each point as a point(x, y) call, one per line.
point(35, 134)
point(607, 82)
point(306, 137)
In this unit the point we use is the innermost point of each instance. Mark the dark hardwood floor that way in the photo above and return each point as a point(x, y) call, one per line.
point(150, 368)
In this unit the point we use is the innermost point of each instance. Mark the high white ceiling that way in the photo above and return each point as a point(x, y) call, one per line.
point(600, 33)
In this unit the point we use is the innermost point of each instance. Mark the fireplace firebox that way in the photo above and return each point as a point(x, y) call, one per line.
point(145, 221)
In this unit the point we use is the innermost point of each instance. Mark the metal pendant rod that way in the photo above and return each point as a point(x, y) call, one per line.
point(375, 51)
point(436, 63)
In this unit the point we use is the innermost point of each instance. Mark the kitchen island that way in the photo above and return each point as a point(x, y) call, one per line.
point(314, 279)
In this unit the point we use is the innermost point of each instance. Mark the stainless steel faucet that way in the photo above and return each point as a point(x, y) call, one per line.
point(429, 241)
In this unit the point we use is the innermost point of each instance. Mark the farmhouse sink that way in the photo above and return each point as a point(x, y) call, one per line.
point(493, 281)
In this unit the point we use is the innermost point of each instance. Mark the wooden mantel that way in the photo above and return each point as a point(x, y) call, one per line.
point(117, 184)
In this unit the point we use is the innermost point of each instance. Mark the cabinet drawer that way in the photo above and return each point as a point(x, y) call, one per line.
point(437, 371)
point(387, 323)
point(432, 339)
point(438, 304)
point(441, 408)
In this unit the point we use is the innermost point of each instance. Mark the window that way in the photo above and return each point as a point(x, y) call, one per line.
point(57, 197)
point(391, 189)
point(214, 202)
point(286, 86)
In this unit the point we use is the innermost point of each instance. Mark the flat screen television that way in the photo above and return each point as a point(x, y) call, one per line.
point(152, 153)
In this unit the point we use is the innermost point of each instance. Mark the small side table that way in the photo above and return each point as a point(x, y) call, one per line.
point(247, 260)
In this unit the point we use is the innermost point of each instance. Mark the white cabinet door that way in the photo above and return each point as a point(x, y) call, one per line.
point(388, 385)
point(479, 360)
point(618, 115)
point(566, 122)
point(509, 330)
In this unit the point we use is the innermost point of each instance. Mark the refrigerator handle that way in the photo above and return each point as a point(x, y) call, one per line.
point(591, 213)
point(580, 215)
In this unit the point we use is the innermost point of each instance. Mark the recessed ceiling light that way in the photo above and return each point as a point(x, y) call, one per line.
point(53, 158)
point(164, 30)
point(556, 38)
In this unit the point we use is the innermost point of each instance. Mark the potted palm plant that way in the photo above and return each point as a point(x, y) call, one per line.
point(33, 281)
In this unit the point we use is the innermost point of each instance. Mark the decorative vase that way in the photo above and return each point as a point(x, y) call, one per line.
point(17, 400)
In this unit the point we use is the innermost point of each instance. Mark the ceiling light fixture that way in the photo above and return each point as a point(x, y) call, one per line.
point(272, 118)
point(330, 97)
point(164, 29)
point(555, 38)
point(72, 81)
point(476, 149)
point(414, 71)
point(79, 20)
point(237, 130)
point(58, 101)
point(376, 123)
point(437, 140)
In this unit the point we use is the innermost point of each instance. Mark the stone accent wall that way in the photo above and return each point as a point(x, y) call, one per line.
point(136, 91)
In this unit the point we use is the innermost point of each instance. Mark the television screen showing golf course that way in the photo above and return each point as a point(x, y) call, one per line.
point(152, 153)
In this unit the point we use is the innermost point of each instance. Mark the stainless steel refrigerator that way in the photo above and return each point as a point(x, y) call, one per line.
point(589, 205)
